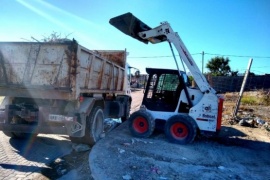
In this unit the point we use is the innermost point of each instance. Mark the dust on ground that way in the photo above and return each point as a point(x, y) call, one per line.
point(238, 152)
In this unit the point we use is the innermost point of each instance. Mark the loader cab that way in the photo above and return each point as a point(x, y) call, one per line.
point(163, 90)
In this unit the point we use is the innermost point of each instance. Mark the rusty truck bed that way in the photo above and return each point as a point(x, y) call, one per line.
point(59, 70)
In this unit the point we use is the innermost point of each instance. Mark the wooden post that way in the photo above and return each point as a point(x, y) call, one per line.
point(242, 89)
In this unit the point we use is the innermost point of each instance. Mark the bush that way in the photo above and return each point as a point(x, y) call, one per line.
point(249, 100)
point(266, 98)
point(257, 98)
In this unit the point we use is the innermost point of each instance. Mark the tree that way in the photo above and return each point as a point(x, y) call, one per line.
point(219, 66)
point(234, 73)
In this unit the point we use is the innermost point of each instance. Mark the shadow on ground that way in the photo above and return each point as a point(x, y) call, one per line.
point(37, 154)
point(230, 136)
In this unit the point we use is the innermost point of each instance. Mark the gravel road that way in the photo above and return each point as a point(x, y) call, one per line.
point(237, 153)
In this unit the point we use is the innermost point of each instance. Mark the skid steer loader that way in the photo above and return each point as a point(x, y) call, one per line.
point(168, 96)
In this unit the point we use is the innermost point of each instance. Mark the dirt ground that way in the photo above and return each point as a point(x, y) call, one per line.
point(238, 152)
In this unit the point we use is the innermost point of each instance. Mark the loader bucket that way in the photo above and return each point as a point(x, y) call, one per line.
point(130, 25)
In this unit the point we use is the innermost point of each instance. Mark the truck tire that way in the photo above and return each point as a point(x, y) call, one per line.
point(181, 129)
point(127, 112)
point(17, 135)
point(94, 127)
point(9, 134)
point(126, 100)
point(141, 124)
point(24, 135)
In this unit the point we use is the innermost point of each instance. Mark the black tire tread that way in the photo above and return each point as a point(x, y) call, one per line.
point(127, 112)
point(17, 135)
point(88, 137)
point(191, 124)
point(150, 120)
point(9, 134)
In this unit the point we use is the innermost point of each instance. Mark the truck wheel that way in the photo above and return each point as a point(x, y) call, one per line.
point(94, 127)
point(24, 135)
point(180, 129)
point(127, 112)
point(127, 105)
point(19, 135)
point(141, 124)
point(9, 134)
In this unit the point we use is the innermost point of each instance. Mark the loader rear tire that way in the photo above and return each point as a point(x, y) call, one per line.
point(94, 128)
point(181, 129)
point(141, 124)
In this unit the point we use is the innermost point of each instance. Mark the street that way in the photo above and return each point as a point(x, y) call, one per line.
point(26, 159)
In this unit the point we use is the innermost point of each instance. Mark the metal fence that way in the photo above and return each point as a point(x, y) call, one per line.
point(229, 83)
point(234, 83)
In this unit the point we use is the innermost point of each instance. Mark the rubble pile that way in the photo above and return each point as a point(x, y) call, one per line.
point(249, 115)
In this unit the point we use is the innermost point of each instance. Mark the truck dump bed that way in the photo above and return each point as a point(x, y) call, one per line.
point(59, 70)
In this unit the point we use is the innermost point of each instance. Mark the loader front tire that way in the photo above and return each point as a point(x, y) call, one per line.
point(181, 129)
point(141, 124)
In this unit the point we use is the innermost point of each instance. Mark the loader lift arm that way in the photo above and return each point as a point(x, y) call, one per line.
point(132, 26)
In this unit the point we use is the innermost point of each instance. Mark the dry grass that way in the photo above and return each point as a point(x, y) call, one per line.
point(253, 104)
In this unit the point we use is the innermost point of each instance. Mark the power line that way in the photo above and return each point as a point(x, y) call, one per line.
point(242, 56)
point(141, 57)
point(262, 66)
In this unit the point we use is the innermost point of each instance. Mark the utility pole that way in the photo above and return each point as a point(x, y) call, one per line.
point(202, 60)
point(242, 89)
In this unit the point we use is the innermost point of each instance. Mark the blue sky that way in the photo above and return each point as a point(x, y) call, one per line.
point(224, 27)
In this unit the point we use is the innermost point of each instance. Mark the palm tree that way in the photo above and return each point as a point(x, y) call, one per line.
point(219, 66)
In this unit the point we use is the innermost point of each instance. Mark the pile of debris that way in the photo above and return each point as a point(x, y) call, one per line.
point(248, 115)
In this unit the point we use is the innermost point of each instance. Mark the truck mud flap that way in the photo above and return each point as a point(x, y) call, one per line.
point(77, 128)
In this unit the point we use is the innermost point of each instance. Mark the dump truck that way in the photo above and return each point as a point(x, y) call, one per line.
point(61, 88)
